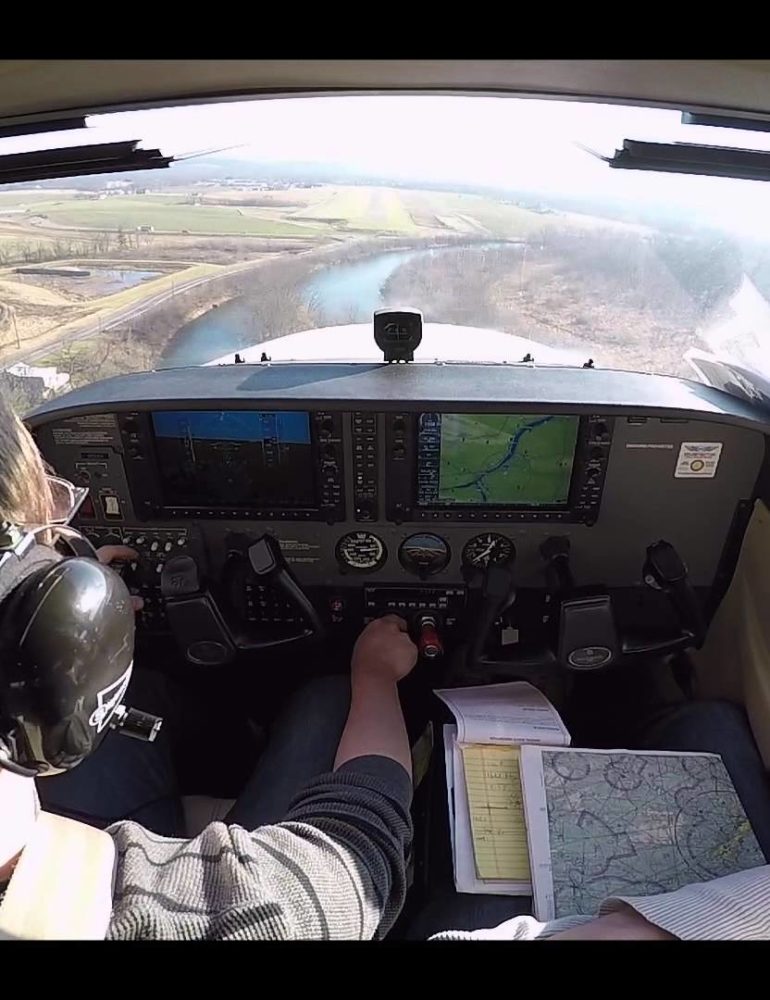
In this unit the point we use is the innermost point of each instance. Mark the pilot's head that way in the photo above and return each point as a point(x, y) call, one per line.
point(66, 622)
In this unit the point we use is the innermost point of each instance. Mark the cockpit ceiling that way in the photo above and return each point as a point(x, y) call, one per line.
point(47, 89)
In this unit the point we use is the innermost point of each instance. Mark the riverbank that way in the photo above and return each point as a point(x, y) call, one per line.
point(285, 296)
point(253, 302)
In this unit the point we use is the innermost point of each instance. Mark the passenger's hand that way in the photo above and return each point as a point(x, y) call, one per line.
point(384, 650)
point(624, 924)
point(108, 554)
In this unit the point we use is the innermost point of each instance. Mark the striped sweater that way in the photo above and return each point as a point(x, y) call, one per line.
point(333, 869)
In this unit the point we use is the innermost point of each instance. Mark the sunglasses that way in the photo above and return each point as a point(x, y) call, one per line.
point(67, 499)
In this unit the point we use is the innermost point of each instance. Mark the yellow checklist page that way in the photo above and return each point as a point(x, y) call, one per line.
point(498, 827)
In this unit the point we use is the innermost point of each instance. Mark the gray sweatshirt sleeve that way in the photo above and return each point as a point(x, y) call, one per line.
point(334, 868)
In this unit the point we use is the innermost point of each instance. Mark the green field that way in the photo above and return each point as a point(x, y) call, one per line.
point(502, 459)
point(302, 212)
point(471, 213)
point(407, 212)
point(361, 208)
point(296, 212)
point(166, 215)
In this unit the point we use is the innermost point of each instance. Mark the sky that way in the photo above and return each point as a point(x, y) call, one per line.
point(513, 142)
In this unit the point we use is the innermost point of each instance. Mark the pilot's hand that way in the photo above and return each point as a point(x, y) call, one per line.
point(384, 650)
point(624, 924)
point(108, 554)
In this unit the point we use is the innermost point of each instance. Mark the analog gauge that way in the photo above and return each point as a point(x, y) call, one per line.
point(424, 554)
point(361, 551)
point(488, 549)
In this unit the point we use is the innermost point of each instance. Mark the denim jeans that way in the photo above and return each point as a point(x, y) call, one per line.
point(129, 779)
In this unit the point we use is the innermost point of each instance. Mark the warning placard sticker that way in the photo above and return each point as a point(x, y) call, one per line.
point(698, 459)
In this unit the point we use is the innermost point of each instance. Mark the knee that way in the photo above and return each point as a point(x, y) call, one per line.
point(716, 716)
point(708, 726)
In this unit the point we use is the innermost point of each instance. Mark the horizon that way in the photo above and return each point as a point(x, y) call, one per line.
point(503, 143)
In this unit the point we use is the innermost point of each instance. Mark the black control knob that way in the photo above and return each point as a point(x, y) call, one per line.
point(601, 431)
point(596, 454)
point(399, 425)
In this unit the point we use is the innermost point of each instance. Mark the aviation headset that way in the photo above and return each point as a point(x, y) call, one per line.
point(66, 652)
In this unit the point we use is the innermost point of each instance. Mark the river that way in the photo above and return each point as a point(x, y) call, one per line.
point(341, 293)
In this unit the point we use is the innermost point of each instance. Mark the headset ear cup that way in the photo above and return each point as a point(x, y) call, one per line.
point(18, 574)
point(74, 627)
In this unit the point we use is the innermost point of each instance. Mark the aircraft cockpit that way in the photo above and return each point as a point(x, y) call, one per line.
point(530, 419)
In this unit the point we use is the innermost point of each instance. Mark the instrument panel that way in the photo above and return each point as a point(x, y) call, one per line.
point(399, 493)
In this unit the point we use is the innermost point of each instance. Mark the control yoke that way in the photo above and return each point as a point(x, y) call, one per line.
point(497, 593)
point(210, 631)
point(585, 634)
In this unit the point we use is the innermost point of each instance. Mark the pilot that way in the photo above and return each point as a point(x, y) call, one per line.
point(326, 862)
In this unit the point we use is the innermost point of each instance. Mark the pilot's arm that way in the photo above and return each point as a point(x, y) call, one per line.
point(334, 868)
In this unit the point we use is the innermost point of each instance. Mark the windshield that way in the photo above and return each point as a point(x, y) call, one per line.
point(282, 216)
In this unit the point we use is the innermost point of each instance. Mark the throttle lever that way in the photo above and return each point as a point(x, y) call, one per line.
point(429, 644)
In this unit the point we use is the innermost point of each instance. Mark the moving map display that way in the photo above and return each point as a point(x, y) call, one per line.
point(495, 459)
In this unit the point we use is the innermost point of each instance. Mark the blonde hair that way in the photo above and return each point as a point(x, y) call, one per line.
point(25, 495)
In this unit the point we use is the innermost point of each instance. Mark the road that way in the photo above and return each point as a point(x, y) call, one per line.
point(89, 327)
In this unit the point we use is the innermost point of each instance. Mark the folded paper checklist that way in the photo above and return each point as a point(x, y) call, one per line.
point(486, 815)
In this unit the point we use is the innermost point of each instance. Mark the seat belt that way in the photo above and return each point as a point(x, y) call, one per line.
point(61, 888)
